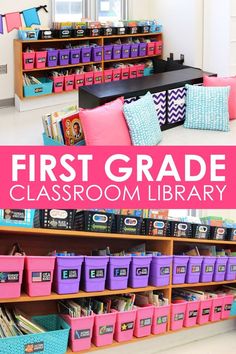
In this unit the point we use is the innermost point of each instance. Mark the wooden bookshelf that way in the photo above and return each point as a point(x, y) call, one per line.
point(20, 46)
point(41, 241)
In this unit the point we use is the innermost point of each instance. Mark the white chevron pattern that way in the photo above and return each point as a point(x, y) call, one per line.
point(159, 99)
point(176, 105)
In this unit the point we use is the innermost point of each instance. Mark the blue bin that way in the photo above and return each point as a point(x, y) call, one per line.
point(233, 309)
point(148, 71)
point(28, 35)
point(51, 142)
point(17, 217)
point(54, 341)
point(45, 88)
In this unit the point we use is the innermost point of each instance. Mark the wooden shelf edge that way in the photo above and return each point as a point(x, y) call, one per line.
point(152, 336)
point(81, 294)
point(195, 285)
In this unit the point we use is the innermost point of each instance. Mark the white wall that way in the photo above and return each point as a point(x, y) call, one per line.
point(225, 213)
point(183, 28)
point(141, 9)
point(6, 41)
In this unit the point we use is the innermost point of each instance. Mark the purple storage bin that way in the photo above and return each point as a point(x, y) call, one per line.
point(94, 273)
point(220, 269)
point(139, 271)
point(194, 269)
point(125, 51)
point(116, 51)
point(231, 269)
point(97, 53)
point(64, 56)
point(118, 273)
point(67, 274)
point(75, 56)
point(107, 51)
point(208, 266)
point(160, 271)
point(142, 51)
point(86, 54)
point(180, 264)
point(134, 50)
point(52, 57)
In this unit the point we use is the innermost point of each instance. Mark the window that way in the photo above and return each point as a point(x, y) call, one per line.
point(102, 10)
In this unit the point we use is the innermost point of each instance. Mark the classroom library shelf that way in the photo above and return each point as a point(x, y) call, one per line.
point(21, 45)
point(41, 241)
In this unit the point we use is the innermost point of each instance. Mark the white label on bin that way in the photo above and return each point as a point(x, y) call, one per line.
point(192, 314)
point(179, 316)
point(100, 218)
point(233, 268)
point(67, 274)
point(130, 222)
point(196, 269)
point(38, 277)
point(145, 322)
point(142, 271)
point(96, 273)
point(164, 270)
point(120, 272)
point(75, 56)
point(221, 268)
point(82, 334)
point(228, 307)
point(9, 277)
point(38, 90)
point(218, 309)
point(158, 224)
point(182, 227)
point(14, 214)
point(180, 270)
point(34, 347)
point(58, 214)
point(209, 269)
point(127, 326)
point(205, 312)
point(161, 320)
point(105, 330)
point(59, 84)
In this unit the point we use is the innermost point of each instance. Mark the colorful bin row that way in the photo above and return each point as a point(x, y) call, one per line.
point(74, 81)
point(129, 72)
point(203, 269)
point(189, 314)
point(133, 50)
point(67, 275)
point(120, 326)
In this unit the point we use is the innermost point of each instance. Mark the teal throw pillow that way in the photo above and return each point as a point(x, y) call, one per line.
point(142, 120)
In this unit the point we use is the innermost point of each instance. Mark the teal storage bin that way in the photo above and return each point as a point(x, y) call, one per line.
point(17, 217)
point(233, 309)
point(28, 35)
point(51, 142)
point(45, 88)
point(55, 341)
point(148, 71)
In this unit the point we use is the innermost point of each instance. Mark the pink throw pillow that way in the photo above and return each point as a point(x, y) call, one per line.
point(224, 81)
point(105, 125)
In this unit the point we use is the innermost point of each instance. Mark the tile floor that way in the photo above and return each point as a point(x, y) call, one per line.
point(25, 128)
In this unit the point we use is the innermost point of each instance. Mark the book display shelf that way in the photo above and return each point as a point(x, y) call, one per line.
point(40, 242)
point(43, 70)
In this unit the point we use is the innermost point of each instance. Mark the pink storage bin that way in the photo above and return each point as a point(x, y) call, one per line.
point(151, 48)
point(80, 333)
point(41, 59)
point(140, 70)
point(133, 72)
point(69, 82)
point(159, 48)
point(11, 272)
point(204, 311)
point(104, 328)
point(125, 73)
point(177, 317)
point(191, 315)
point(217, 309)
point(108, 75)
point(58, 83)
point(28, 60)
point(143, 324)
point(227, 306)
point(88, 78)
point(124, 329)
point(98, 77)
point(39, 275)
point(79, 81)
point(116, 74)
point(160, 319)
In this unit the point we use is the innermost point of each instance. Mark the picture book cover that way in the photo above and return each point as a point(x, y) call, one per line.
point(72, 129)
